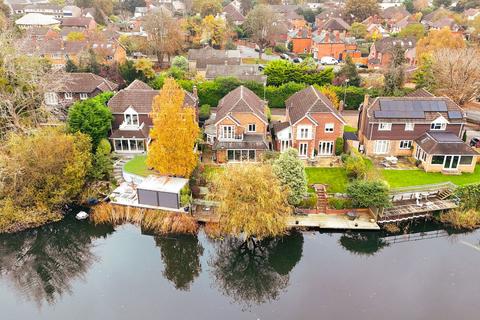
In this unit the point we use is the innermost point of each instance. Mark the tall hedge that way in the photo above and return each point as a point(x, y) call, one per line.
point(280, 72)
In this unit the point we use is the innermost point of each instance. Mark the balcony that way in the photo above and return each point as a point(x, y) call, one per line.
point(231, 137)
point(130, 127)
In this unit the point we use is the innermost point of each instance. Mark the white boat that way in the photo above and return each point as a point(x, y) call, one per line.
point(82, 215)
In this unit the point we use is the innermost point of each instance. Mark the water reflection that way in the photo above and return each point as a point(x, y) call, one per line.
point(181, 258)
point(255, 275)
point(365, 243)
point(42, 263)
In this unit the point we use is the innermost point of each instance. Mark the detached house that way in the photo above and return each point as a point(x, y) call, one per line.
point(131, 108)
point(421, 125)
point(79, 86)
point(239, 132)
point(313, 125)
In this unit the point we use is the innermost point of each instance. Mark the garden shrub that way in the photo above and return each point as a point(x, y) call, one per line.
point(339, 144)
point(368, 194)
point(340, 203)
point(309, 202)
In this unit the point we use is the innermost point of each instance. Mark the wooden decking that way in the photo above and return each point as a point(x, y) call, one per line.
point(405, 210)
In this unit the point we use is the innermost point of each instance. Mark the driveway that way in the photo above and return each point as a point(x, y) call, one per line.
point(247, 52)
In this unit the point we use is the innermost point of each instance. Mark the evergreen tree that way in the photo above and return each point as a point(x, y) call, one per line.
point(70, 66)
point(349, 71)
point(102, 166)
point(291, 173)
point(395, 75)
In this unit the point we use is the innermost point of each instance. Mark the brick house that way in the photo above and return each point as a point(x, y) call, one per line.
point(420, 125)
point(239, 131)
point(326, 43)
point(131, 108)
point(312, 125)
point(83, 23)
point(79, 86)
point(381, 51)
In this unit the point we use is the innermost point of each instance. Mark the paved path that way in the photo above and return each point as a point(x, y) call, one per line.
point(118, 170)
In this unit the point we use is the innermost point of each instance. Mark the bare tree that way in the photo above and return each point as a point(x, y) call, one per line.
point(262, 26)
point(165, 35)
point(457, 73)
point(24, 80)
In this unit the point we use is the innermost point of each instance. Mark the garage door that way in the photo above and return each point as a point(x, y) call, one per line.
point(168, 200)
point(147, 197)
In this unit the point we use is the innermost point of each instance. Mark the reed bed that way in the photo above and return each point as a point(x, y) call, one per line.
point(213, 230)
point(461, 219)
point(155, 221)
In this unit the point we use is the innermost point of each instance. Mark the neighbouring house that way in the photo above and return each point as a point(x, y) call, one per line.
point(445, 22)
point(239, 131)
point(422, 126)
point(41, 34)
point(336, 26)
point(54, 49)
point(312, 125)
point(36, 20)
point(140, 12)
point(403, 23)
point(71, 11)
point(131, 124)
point(393, 15)
point(78, 86)
point(233, 14)
point(83, 23)
point(244, 72)
point(325, 43)
point(325, 15)
point(109, 51)
point(301, 40)
point(48, 9)
point(198, 59)
point(381, 51)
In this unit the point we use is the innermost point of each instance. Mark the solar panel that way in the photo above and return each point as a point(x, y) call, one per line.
point(455, 115)
point(414, 105)
point(399, 114)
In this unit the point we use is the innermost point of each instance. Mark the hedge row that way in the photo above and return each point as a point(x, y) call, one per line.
point(211, 91)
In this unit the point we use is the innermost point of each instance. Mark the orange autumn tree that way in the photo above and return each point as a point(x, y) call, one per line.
point(174, 133)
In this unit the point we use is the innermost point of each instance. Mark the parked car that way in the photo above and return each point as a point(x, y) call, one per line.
point(261, 67)
point(361, 66)
point(328, 60)
point(475, 142)
point(297, 60)
point(284, 56)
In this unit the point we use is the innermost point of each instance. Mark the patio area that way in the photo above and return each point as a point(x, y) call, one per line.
point(393, 163)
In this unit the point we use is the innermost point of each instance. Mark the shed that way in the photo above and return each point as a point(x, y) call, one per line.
point(160, 191)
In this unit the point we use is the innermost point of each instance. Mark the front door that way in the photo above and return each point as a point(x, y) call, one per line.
point(451, 162)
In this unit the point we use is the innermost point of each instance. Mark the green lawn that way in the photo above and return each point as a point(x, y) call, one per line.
point(138, 166)
point(337, 180)
point(350, 129)
point(404, 178)
point(334, 178)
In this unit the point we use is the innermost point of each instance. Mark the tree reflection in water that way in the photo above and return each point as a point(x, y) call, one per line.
point(256, 275)
point(363, 243)
point(41, 263)
point(181, 257)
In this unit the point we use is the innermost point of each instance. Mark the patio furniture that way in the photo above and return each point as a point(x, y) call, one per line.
point(392, 160)
point(352, 215)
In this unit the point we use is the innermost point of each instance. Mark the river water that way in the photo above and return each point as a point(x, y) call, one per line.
point(72, 270)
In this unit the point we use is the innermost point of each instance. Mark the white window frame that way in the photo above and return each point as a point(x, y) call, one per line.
point(325, 148)
point(405, 144)
point(83, 96)
point(329, 127)
point(441, 126)
point(301, 146)
point(304, 132)
point(384, 126)
point(241, 158)
point(129, 148)
point(68, 96)
point(131, 118)
point(381, 146)
point(409, 126)
point(227, 132)
point(252, 127)
point(285, 144)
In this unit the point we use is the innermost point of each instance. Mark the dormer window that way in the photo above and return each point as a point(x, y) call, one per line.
point(68, 96)
point(409, 126)
point(83, 96)
point(131, 117)
point(438, 126)
point(384, 126)
point(252, 127)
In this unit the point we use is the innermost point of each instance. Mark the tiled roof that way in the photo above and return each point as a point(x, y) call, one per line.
point(307, 101)
point(140, 96)
point(250, 141)
point(142, 133)
point(420, 93)
point(417, 109)
point(232, 13)
point(279, 126)
point(444, 143)
point(335, 24)
point(86, 83)
point(396, 12)
point(245, 72)
point(386, 44)
point(76, 22)
point(241, 100)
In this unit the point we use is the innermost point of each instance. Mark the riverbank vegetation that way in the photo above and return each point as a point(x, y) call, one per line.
point(41, 172)
point(467, 215)
point(252, 201)
point(155, 221)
